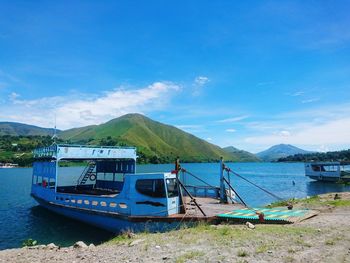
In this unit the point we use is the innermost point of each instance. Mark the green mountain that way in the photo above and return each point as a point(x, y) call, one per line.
point(21, 129)
point(280, 151)
point(243, 155)
point(155, 142)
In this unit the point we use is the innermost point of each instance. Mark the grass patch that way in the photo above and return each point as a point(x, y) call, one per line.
point(29, 243)
point(124, 238)
point(313, 201)
point(330, 242)
point(262, 248)
point(242, 253)
point(308, 201)
point(338, 202)
point(189, 255)
point(301, 242)
point(289, 259)
point(291, 250)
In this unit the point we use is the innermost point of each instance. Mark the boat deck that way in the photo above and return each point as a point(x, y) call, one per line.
point(210, 206)
point(217, 212)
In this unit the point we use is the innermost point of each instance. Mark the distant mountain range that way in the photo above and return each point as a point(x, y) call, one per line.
point(17, 129)
point(280, 151)
point(244, 155)
point(155, 142)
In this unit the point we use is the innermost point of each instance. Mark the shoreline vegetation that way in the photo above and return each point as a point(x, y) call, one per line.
point(18, 150)
point(323, 238)
point(341, 156)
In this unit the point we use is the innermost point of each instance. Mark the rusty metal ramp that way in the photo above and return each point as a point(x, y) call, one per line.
point(267, 215)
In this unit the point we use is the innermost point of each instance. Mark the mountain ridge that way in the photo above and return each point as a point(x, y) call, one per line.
point(156, 142)
point(278, 151)
point(245, 155)
point(152, 138)
point(22, 129)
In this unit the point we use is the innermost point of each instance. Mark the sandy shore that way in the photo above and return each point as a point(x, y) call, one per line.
point(323, 238)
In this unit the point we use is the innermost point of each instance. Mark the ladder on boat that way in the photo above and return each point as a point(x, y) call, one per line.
point(85, 175)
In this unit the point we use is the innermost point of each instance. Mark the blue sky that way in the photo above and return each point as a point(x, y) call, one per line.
point(249, 74)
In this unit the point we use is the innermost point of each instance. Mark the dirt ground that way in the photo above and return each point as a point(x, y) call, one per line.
point(323, 238)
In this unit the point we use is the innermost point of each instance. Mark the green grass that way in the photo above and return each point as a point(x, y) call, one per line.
point(263, 248)
point(338, 202)
point(242, 253)
point(311, 201)
point(189, 255)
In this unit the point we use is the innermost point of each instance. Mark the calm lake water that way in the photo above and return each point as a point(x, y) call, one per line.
point(21, 218)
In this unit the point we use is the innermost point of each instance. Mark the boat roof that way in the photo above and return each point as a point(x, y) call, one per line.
point(330, 163)
point(84, 152)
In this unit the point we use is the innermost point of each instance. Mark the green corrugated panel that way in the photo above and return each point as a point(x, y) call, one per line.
point(272, 214)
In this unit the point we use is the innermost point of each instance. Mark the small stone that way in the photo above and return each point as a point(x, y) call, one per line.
point(269, 251)
point(319, 230)
point(136, 242)
point(80, 244)
point(92, 246)
point(250, 225)
point(51, 246)
point(157, 247)
point(131, 235)
point(165, 258)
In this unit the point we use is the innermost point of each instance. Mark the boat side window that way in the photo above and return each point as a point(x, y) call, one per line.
point(317, 168)
point(151, 187)
point(172, 187)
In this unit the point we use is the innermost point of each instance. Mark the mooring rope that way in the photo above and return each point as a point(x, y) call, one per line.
point(199, 179)
point(245, 179)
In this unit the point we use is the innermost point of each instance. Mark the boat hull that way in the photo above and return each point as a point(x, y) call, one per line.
point(329, 179)
point(110, 222)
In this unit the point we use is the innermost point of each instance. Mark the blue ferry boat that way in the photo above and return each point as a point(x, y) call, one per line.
point(109, 193)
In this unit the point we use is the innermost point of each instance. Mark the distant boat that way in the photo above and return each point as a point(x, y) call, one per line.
point(8, 165)
point(328, 171)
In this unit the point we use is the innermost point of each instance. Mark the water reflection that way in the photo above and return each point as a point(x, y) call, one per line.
point(316, 187)
point(46, 227)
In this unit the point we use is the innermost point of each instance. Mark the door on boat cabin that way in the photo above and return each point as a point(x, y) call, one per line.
point(173, 195)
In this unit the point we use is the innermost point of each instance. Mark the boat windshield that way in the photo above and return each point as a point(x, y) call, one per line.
point(324, 168)
point(172, 187)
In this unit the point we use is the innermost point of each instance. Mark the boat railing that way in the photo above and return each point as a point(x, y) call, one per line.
point(203, 191)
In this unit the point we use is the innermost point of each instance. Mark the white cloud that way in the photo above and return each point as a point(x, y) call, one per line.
point(209, 139)
point(310, 100)
point(320, 128)
point(231, 130)
point(331, 132)
point(13, 96)
point(198, 84)
point(85, 109)
point(267, 83)
point(297, 94)
point(284, 133)
point(233, 119)
point(201, 80)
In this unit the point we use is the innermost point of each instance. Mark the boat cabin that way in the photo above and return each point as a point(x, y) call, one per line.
point(327, 171)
